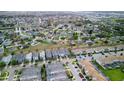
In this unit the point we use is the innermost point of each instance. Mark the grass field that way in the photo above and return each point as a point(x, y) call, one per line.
point(112, 74)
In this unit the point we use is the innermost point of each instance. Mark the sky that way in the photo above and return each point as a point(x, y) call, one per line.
point(61, 5)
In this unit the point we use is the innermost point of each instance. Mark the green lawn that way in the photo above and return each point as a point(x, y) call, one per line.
point(112, 74)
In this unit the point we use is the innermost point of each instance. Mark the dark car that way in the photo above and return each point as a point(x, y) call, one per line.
point(25, 46)
point(81, 75)
point(83, 79)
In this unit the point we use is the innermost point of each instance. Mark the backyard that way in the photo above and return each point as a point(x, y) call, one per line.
point(112, 74)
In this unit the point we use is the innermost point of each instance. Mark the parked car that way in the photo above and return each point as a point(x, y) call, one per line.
point(81, 75)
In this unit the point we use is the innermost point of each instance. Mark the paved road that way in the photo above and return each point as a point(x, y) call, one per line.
point(11, 74)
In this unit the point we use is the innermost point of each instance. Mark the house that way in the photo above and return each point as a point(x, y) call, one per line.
point(63, 52)
point(48, 54)
point(72, 43)
point(28, 57)
point(1, 37)
point(35, 56)
point(1, 50)
point(7, 42)
point(20, 58)
point(42, 55)
point(89, 42)
point(55, 53)
point(7, 59)
point(66, 52)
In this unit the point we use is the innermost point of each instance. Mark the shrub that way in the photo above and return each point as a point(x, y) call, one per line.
point(2, 64)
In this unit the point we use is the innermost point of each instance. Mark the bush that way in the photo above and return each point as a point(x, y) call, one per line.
point(13, 62)
point(122, 68)
point(2, 64)
point(75, 36)
point(89, 78)
point(26, 61)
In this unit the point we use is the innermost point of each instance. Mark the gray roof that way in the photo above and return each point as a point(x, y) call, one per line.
point(7, 42)
point(56, 71)
point(1, 35)
point(19, 57)
point(29, 57)
point(48, 54)
point(30, 73)
point(1, 50)
point(63, 52)
point(7, 59)
point(35, 56)
point(1, 40)
point(55, 53)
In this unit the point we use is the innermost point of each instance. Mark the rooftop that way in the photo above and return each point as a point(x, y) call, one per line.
point(30, 73)
point(56, 71)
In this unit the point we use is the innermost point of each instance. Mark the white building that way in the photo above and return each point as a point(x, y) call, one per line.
point(29, 57)
point(42, 55)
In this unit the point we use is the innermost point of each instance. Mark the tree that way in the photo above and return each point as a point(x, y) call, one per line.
point(26, 61)
point(75, 36)
point(2, 64)
point(122, 68)
point(5, 54)
point(13, 53)
point(43, 72)
point(22, 41)
point(62, 38)
point(14, 62)
point(90, 32)
point(83, 71)
point(106, 42)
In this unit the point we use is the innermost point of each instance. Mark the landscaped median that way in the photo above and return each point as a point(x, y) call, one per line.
point(68, 72)
point(43, 73)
